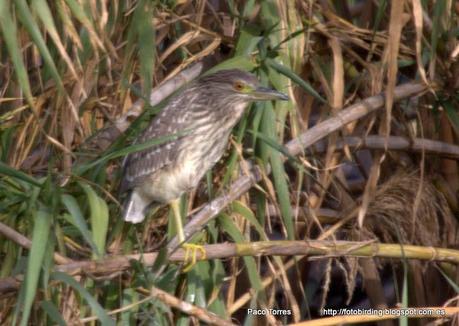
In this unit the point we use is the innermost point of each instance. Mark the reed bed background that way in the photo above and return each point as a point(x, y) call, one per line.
point(344, 197)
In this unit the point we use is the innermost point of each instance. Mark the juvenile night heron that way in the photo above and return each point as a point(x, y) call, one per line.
point(208, 108)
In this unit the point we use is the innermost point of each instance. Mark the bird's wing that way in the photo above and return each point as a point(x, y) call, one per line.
point(139, 165)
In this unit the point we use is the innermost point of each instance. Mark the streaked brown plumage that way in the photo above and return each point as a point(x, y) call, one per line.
point(207, 109)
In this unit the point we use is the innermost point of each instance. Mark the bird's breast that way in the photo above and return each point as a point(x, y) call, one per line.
point(171, 182)
point(198, 152)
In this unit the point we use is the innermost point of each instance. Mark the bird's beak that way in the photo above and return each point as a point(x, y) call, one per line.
point(265, 93)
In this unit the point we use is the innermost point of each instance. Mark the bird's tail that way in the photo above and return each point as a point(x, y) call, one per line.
point(134, 208)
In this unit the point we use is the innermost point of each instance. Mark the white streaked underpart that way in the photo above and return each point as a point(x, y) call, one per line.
point(134, 211)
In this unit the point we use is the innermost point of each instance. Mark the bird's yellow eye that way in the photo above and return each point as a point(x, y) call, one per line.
point(239, 86)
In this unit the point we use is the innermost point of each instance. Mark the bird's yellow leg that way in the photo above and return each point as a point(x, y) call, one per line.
point(175, 205)
point(190, 249)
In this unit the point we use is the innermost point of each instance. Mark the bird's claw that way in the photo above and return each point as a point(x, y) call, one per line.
point(190, 252)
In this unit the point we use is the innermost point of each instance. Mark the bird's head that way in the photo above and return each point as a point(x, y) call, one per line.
point(240, 85)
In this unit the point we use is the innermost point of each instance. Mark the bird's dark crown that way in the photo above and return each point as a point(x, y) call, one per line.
point(230, 76)
point(234, 86)
point(235, 80)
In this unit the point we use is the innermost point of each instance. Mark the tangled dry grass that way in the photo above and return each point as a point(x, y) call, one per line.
point(406, 209)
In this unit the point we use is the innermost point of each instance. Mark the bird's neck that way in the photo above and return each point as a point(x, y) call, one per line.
point(227, 120)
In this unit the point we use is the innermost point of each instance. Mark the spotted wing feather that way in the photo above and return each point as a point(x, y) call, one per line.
point(140, 165)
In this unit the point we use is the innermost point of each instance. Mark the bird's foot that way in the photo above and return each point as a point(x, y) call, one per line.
point(190, 255)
